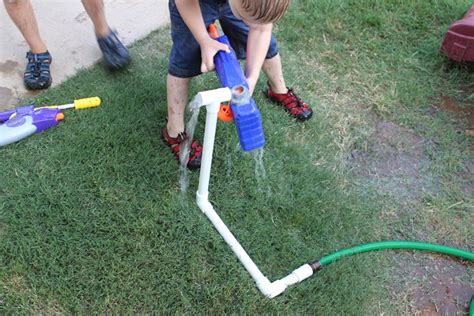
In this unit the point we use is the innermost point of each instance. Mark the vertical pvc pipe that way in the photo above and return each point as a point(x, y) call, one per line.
point(208, 148)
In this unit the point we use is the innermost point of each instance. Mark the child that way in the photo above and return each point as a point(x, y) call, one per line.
point(248, 24)
point(37, 74)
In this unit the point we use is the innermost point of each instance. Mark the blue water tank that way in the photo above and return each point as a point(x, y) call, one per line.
point(246, 114)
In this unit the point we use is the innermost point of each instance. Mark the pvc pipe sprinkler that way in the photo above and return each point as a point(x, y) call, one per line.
point(212, 100)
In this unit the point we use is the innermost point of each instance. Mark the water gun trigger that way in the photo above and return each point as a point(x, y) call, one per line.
point(225, 113)
point(213, 31)
point(59, 117)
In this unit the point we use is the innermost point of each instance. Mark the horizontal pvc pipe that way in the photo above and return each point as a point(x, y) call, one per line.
point(212, 96)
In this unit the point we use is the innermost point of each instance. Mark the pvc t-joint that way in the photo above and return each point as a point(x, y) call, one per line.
point(210, 98)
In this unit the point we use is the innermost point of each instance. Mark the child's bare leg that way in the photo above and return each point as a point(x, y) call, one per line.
point(22, 14)
point(95, 10)
point(177, 94)
point(279, 93)
point(273, 70)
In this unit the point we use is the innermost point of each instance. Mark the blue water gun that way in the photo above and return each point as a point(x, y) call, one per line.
point(242, 106)
point(27, 120)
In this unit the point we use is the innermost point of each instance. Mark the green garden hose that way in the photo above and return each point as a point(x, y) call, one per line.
point(396, 244)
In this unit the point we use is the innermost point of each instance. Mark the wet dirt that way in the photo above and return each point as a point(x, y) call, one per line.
point(467, 178)
point(6, 98)
point(9, 98)
point(9, 66)
point(447, 286)
point(462, 116)
point(394, 160)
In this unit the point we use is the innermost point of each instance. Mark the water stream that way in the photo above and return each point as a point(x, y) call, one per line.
point(260, 173)
point(185, 149)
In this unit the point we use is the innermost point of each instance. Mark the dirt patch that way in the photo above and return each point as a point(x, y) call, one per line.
point(467, 179)
point(394, 160)
point(463, 117)
point(446, 286)
point(469, 164)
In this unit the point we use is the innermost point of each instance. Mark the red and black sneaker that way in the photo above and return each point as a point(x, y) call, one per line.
point(194, 160)
point(291, 103)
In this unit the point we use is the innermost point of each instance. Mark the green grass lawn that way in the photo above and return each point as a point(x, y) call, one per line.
point(92, 219)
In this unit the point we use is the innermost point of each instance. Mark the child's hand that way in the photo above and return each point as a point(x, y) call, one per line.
point(209, 48)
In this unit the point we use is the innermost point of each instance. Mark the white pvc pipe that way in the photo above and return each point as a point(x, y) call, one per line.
point(208, 148)
point(212, 100)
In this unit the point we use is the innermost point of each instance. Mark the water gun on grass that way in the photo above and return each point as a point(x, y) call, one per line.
point(243, 109)
point(26, 120)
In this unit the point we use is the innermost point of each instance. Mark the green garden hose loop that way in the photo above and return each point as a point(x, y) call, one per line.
point(397, 245)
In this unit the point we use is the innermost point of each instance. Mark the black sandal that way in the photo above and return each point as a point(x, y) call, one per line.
point(37, 74)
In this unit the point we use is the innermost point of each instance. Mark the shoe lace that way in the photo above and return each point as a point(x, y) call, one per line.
point(37, 63)
point(37, 69)
point(36, 66)
point(294, 103)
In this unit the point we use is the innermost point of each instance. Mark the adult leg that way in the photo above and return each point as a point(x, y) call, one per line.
point(115, 54)
point(22, 14)
point(96, 11)
point(37, 74)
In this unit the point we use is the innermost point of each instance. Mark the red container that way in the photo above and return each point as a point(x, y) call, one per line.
point(458, 41)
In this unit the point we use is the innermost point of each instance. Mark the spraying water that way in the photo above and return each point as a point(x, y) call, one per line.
point(257, 154)
point(186, 147)
point(260, 173)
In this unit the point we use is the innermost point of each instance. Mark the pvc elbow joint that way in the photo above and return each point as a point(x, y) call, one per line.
point(274, 289)
point(271, 289)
